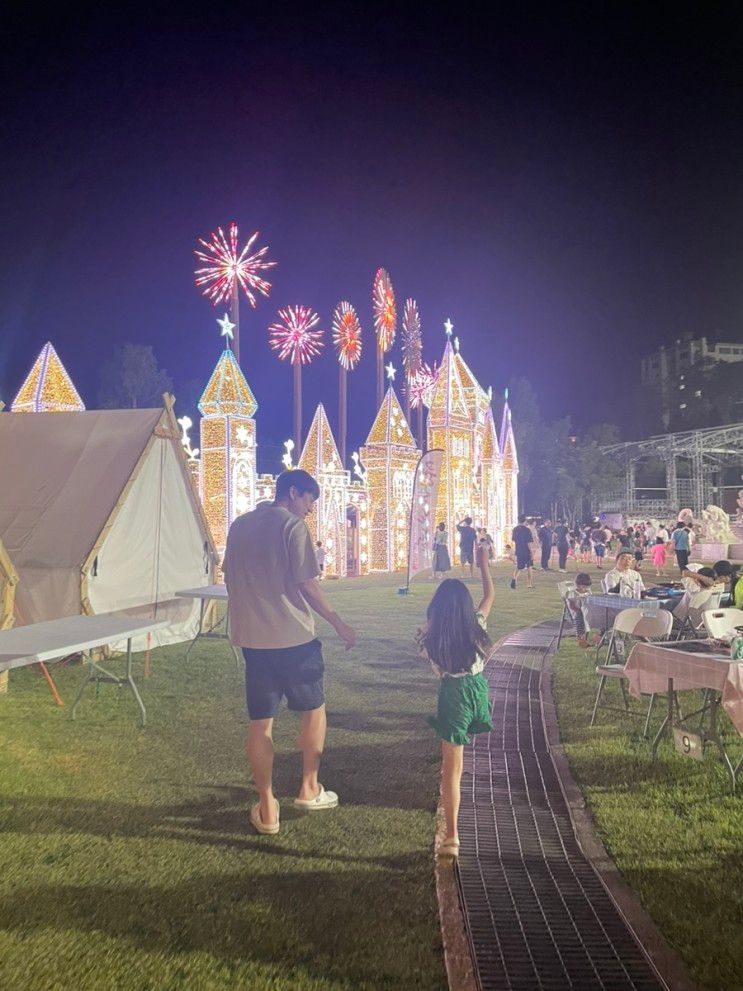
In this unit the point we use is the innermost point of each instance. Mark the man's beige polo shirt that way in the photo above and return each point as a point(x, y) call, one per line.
point(269, 554)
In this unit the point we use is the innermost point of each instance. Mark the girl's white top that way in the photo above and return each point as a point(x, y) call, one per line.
point(477, 666)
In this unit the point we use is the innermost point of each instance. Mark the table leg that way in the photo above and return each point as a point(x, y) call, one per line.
point(715, 737)
point(667, 722)
point(84, 685)
point(201, 627)
point(129, 680)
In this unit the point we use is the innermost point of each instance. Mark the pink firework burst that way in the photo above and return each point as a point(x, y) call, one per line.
point(294, 337)
point(420, 385)
point(225, 265)
point(347, 335)
point(412, 345)
point(385, 310)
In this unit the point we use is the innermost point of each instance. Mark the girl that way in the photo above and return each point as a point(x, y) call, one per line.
point(659, 556)
point(455, 641)
point(441, 562)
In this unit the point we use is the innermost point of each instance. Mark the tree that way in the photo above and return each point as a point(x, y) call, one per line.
point(131, 379)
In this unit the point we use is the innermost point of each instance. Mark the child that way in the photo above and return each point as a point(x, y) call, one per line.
point(508, 554)
point(455, 641)
point(599, 549)
point(658, 554)
point(320, 555)
point(578, 608)
point(637, 544)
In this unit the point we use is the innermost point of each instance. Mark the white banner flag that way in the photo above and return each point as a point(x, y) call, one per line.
point(423, 512)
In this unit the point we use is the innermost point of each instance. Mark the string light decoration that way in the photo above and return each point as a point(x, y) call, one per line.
point(347, 339)
point(384, 308)
point(226, 268)
point(412, 348)
point(294, 337)
point(228, 447)
point(47, 388)
point(390, 456)
point(509, 469)
point(340, 502)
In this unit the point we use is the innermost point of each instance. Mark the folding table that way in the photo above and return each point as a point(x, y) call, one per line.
point(57, 638)
point(206, 594)
point(660, 668)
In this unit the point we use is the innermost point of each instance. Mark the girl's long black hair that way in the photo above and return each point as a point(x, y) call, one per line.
point(454, 638)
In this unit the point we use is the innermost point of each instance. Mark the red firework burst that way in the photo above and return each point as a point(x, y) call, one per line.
point(294, 337)
point(412, 345)
point(385, 310)
point(347, 335)
point(225, 265)
point(420, 385)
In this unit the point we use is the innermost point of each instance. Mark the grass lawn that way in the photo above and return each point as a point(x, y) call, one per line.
point(673, 829)
point(128, 861)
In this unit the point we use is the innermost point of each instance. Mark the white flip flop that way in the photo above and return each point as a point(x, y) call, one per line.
point(323, 800)
point(270, 829)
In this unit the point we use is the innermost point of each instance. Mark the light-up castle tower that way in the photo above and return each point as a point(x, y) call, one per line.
point(362, 521)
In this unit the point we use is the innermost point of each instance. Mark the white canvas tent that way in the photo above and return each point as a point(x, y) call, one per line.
point(98, 513)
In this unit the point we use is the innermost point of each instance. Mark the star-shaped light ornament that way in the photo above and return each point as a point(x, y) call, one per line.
point(448, 327)
point(227, 326)
point(390, 369)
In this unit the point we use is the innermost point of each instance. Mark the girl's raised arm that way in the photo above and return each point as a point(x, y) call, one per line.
point(488, 592)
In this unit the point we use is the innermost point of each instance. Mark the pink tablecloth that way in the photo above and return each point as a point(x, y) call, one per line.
point(649, 667)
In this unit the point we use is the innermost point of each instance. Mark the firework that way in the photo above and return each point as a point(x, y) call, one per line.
point(412, 344)
point(225, 267)
point(294, 337)
point(347, 335)
point(420, 385)
point(385, 310)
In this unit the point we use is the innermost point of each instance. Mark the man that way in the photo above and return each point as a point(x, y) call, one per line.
point(545, 543)
point(682, 545)
point(270, 569)
point(623, 578)
point(522, 538)
point(467, 537)
point(563, 546)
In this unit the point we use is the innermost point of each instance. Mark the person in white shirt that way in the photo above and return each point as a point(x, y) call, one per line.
point(623, 578)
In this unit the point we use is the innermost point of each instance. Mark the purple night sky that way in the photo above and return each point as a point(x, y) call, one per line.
point(568, 191)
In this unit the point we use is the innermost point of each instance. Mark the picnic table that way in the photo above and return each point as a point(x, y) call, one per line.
point(603, 608)
point(205, 595)
point(667, 668)
point(57, 638)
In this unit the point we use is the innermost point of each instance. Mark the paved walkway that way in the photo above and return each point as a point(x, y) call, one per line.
point(538, 915)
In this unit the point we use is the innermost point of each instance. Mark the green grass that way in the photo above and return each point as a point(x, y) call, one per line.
point(128, 861)
point(672, 828)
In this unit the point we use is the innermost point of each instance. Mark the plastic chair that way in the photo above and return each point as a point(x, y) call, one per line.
point(699, 603)
point(721, 622)
point(641, 626)
point(564, 588)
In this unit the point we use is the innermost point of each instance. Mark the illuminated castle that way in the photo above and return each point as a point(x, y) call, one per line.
point(362, 520)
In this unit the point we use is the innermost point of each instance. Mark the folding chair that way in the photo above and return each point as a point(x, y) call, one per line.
point(641, 626)
point(699, 603)
point(722, 622)
point(564, 588)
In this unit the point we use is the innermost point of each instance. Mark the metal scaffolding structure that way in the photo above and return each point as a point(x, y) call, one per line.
point(702, 455)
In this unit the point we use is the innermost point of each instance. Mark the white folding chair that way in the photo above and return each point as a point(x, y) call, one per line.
point(699, 603)
point(721, 622)
point(640, 626)
point(565, 589)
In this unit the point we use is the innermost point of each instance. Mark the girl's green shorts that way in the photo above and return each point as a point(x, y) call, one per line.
point(463, 708)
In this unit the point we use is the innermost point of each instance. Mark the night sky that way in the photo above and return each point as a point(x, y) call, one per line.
point(568, 190)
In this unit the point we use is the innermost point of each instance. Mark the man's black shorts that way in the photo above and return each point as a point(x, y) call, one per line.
point(466, 556)
point(295, 673)
point(523, 559)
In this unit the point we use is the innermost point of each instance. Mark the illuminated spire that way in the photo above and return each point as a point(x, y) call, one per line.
point(390, 425)
point(320, 452)
point(227, 392)
point(507, 440)
point(448, 405)
point(48, 388)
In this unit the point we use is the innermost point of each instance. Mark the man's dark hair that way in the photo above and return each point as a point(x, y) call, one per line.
point(522, 519)
point(300, 479)
point(468, 520)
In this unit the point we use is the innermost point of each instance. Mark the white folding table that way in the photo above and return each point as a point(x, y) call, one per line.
point(206, 594)
point(57, 638)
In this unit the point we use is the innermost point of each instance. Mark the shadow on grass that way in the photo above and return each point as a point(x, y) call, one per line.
point(330, 926)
